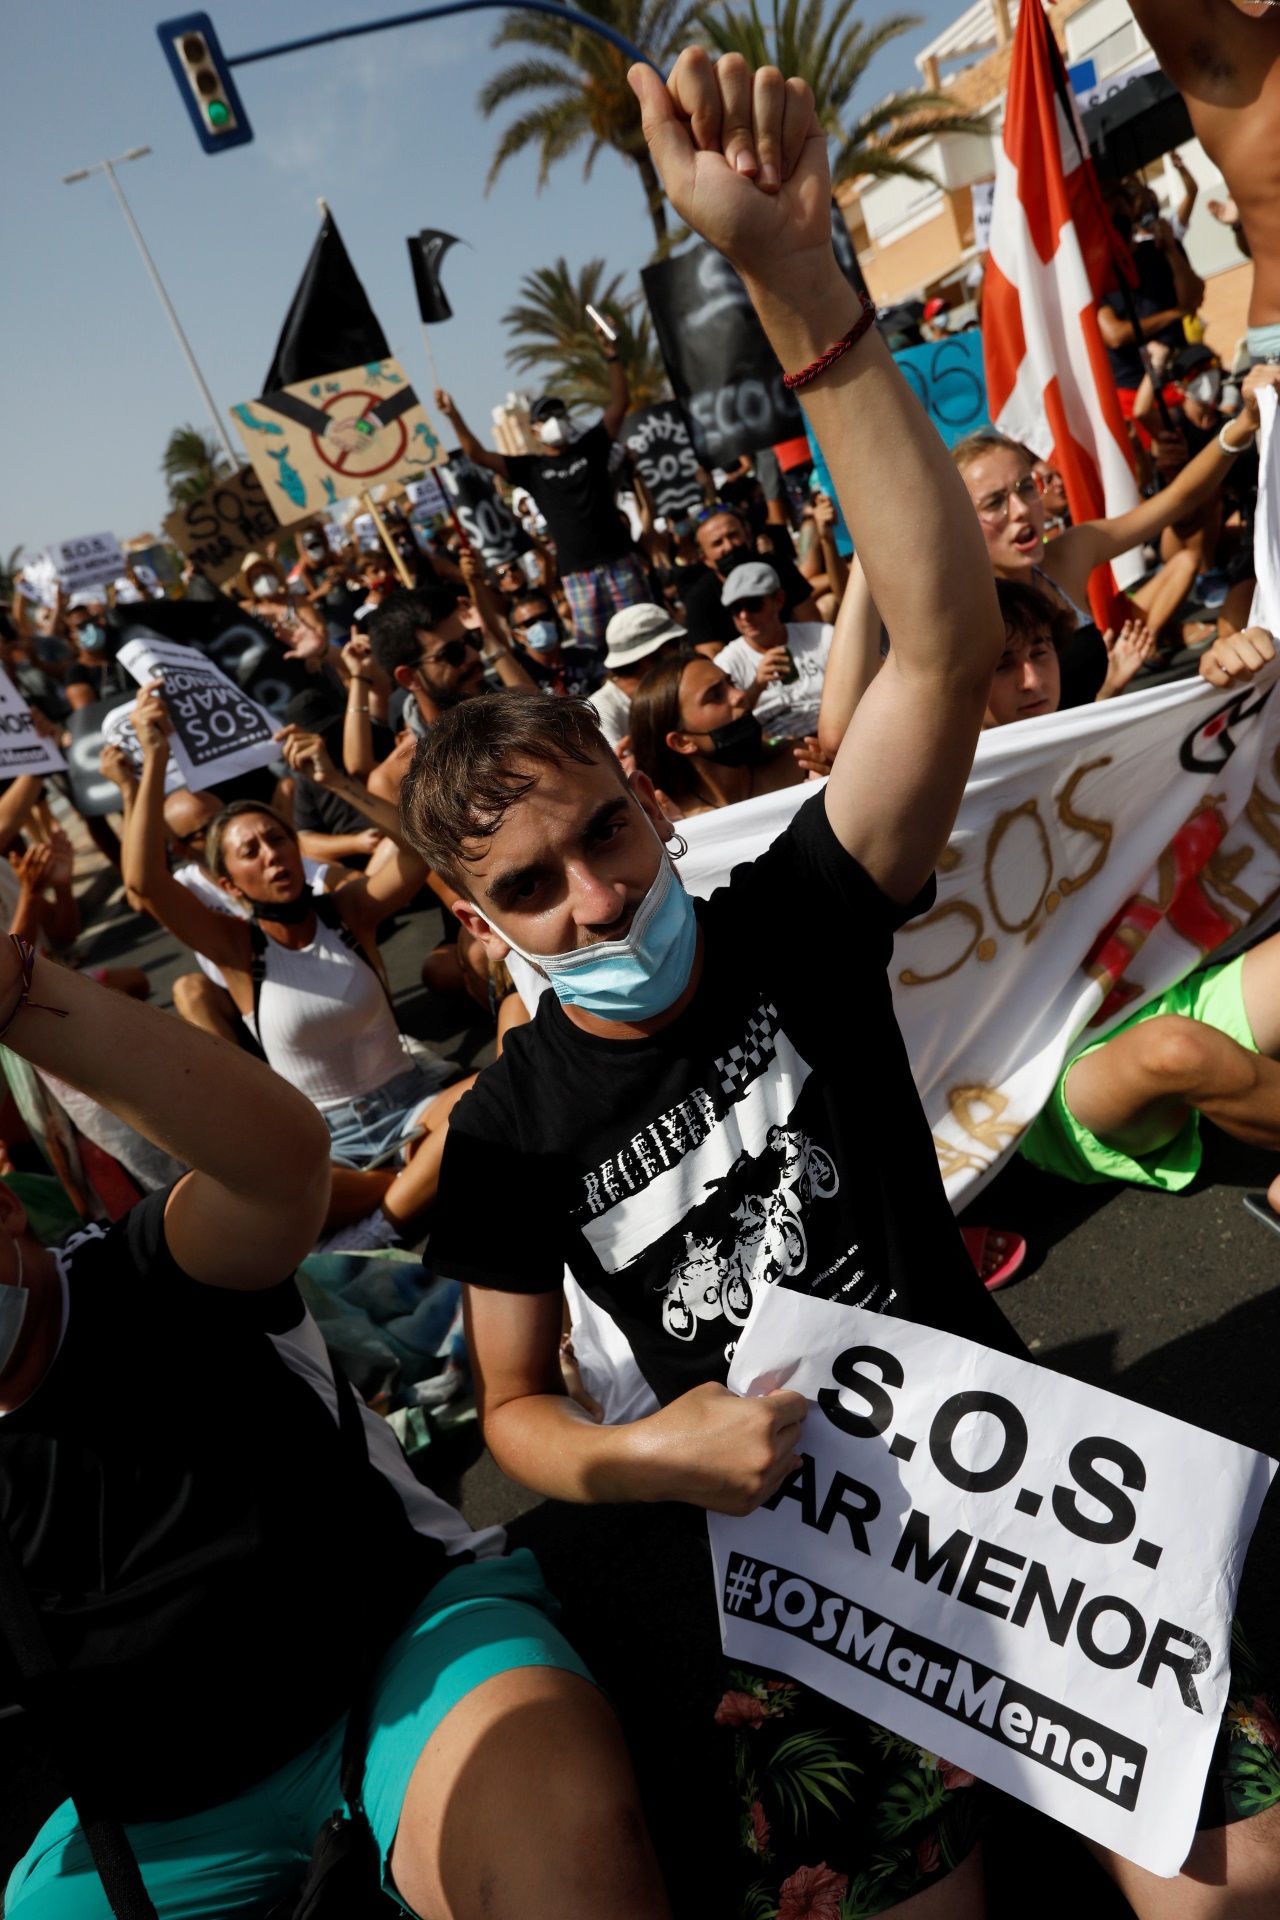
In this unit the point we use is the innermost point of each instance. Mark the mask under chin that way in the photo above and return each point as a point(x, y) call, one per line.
point(739, 743)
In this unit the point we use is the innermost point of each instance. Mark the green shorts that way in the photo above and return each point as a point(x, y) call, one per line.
point(238, 1858)
point(1058, 1143)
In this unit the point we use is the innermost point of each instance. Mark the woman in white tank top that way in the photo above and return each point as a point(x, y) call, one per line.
point(304, 973)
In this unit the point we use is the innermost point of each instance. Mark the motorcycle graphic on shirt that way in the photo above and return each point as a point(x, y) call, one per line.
point(710, 1280)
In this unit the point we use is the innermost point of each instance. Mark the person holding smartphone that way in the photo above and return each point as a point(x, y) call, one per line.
point(778, 664)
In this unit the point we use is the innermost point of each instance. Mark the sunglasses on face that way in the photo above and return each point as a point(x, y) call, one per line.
point(453, 653)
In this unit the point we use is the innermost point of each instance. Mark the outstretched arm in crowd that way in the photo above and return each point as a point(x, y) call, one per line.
point(619, 392)
point(853, 662)
point(898, 779)
point(479, 455)
point(220, 937)
point(370, 898)
point(243, 1217)
point(16, 803)
point(1072, 557)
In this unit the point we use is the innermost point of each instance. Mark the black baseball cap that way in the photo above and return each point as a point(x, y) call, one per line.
point(548, 404)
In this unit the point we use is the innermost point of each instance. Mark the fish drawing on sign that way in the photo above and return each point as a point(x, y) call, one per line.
point(247, 418)
point(330, 490)
point(431, 443)
point(376, 371)
point(291, 481)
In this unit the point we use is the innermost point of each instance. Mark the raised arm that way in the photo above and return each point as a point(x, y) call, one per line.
point(757, 185)
point(853, 662)
point(243, 1217)
point(479, 455)
point(619, 392)
point(220, 937)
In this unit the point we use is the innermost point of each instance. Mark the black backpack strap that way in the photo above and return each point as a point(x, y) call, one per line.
point(257, 971)
point(106, 1839)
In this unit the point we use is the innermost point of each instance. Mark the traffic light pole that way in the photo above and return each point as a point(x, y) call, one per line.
point(440, 12)
point(108, 168)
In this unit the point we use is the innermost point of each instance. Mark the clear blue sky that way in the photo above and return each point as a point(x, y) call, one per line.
point(385, 128)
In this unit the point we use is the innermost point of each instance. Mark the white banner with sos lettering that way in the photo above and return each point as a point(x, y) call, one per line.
point(1025, 1575)
point(218, 731)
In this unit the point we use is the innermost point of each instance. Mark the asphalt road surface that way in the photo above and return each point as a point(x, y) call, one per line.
point(1171, 1301)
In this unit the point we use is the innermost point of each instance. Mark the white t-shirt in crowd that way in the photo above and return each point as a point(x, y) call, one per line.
point(785, 712)
point(614, 708)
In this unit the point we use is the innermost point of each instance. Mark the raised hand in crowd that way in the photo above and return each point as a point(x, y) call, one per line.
point(115, 765)
point(1236, 658)
point(808, 753)
point(1127, 653)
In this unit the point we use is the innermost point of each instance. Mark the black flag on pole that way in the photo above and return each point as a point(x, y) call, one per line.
point(426, 252)
point(330, 325)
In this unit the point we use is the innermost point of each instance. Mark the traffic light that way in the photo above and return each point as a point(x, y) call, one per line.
point(204, 81)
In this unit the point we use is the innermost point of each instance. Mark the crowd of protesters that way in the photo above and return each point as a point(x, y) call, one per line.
point(258, 1611)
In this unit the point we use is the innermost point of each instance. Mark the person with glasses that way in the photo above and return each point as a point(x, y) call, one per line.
point(999, 476)
point(420, 641)
point(777, 663)
point(552, 664)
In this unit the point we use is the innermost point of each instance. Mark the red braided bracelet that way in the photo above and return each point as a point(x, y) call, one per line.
point(863, 324)
point(26, 962)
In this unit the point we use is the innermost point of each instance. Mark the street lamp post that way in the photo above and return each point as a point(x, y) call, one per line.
point(109, 168)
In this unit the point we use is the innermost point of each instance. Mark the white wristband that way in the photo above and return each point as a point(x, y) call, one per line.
point(1233, 451)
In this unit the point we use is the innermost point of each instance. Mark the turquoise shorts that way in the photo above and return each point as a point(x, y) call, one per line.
point(236, 1859)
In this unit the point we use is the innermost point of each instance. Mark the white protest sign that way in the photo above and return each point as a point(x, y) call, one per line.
point(984, 193)
point(428, 494)
point(22, 749)
point(365, 530)
point(117, 731)
point(218, 731)
point(1028, 1576)
point(92, 561)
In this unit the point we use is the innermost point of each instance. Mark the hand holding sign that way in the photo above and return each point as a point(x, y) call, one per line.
point(152, 722)
point(713, 1449)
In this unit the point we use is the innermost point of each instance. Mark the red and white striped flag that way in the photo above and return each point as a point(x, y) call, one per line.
point(1053, 252)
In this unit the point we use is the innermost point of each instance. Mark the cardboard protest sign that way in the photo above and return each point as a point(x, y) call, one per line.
point(94, 560)
point(222, 524)
point(22, 749)
point(485, 518)
point(329, 439)
point(218, 731)
point(996, 1562)
point(663, 456)
point(427, 495)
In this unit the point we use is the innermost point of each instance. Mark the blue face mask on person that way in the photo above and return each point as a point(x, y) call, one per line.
point(542, 635)
point(92, 637)
point(637, 977)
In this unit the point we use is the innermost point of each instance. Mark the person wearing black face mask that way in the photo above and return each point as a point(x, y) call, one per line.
point(724, 542)
point(693, 734)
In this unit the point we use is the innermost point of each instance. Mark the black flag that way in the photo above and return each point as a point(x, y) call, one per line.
point(426, 251)
point(330, 325)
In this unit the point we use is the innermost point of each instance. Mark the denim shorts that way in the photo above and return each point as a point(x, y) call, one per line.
point(362, 1131)
point(234, 1860)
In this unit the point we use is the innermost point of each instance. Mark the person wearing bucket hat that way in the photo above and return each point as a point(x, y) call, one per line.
point(637, 639)
point(778, 664)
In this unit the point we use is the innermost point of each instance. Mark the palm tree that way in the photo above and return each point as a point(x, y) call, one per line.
point(192, 462)
point(554, 338)
point(582, 79)
point(832, 52)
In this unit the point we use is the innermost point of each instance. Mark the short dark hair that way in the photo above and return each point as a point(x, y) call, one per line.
point(394, 630)
point(463, 779)
point(1027, 614)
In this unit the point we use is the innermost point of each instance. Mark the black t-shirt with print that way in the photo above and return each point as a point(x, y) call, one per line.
point(772, 1134)
point(574, 494)
point(704, 616)
point(212, 1564)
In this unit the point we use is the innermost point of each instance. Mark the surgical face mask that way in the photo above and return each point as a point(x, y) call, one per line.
point(1206, 387)
point(637, 977)
point(738, 742)
point(264, 586)
point(13, 1312)
point(92, 637)
point(542, 635)
point(554, 431)
point(736, 557)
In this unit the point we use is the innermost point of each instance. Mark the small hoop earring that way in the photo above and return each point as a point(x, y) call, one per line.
point(677, 851)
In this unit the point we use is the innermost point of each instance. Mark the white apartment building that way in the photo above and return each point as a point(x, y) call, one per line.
point(915, 240)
